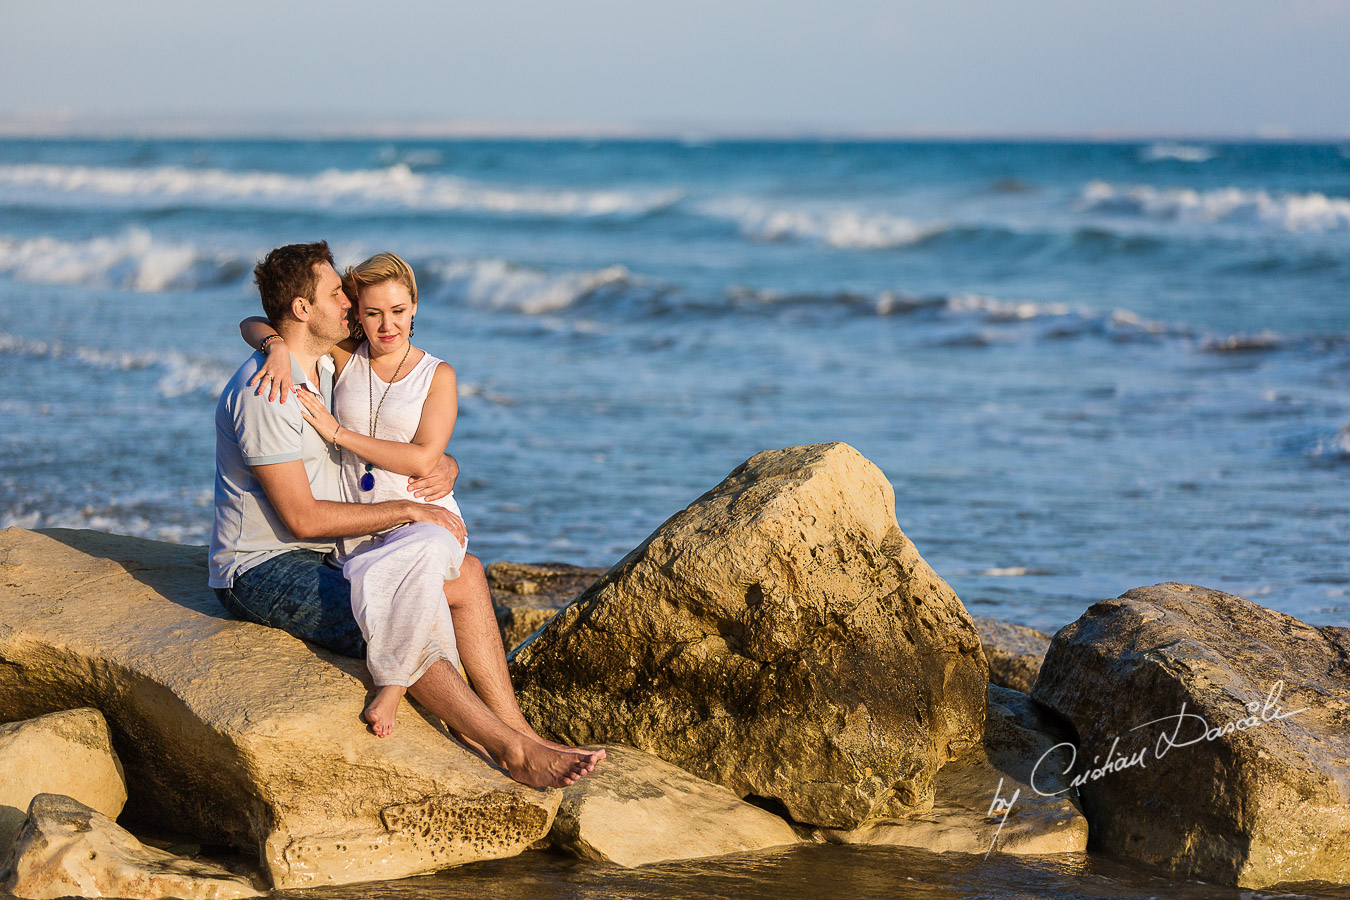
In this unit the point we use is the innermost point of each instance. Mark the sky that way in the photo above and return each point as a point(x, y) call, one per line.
point(1015, 67)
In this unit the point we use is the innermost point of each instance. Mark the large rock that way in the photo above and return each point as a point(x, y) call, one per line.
point(1214, 734)
point(1014, 652)
point(238, 733)
point(68, 752)
point(637, 809)
point(781, 637)
point(986, 802)
point(67, 849)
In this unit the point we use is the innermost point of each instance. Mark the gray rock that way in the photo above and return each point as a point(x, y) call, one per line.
point(67, 849)
point(1014, 652)
point(1214, 734)
point(636, 809)
point(68, 752)
point(780, 636)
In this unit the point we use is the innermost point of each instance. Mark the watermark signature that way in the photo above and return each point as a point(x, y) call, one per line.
point(1195, 726)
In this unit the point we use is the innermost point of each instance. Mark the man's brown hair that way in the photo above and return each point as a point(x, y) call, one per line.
point(286, 273)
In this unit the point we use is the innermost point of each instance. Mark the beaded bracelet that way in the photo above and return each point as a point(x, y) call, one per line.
point(265, 341)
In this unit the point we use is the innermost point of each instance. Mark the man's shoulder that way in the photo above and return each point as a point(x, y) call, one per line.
point(242, 402)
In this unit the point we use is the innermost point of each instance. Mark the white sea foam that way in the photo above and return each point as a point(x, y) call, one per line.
point(133, 260)
point(183, 373)
point(846, 228)
point(396, 186)
point(1336, 447)
point(1194, 153)
point(1290, 212)
point(498, 284)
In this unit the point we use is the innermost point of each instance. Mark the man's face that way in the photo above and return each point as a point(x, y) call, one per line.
point(328, 312)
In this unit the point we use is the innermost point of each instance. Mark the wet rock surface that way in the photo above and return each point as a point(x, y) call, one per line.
point(1029, 820)
point(236, 733)
point(637, 809)
point(1214, 734)
point(780, 636)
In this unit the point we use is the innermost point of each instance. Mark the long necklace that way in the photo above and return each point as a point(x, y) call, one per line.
point(368, 479)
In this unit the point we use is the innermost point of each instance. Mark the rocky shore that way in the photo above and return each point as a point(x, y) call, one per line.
point(775, 664)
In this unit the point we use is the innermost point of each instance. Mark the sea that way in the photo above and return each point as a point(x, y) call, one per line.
point(1085, 366)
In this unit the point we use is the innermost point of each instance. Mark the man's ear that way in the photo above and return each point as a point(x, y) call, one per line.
point(300, 309)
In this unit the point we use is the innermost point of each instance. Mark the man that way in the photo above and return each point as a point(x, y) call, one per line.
point(277, 512)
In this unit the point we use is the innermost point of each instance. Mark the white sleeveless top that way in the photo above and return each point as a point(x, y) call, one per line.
point(398, 420)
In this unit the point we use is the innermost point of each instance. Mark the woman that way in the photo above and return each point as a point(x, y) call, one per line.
point(397, 405)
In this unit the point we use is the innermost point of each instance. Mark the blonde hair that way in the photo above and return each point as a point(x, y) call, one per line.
point(378, 269)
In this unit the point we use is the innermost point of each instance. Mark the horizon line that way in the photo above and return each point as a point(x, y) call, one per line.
point(328, 127)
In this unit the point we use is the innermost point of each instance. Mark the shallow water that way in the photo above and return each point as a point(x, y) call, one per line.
point(806, 873)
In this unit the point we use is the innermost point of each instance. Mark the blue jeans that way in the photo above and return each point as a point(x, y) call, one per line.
point(300, 594)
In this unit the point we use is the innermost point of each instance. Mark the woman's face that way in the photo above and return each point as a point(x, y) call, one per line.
point(385, 312)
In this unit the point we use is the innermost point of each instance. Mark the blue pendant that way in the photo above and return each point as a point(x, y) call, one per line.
point(367, 482)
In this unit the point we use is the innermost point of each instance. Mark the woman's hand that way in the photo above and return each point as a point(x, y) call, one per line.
point(316, 414)
point(275, 374)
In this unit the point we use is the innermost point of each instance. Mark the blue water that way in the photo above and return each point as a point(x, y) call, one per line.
point(1084, 366)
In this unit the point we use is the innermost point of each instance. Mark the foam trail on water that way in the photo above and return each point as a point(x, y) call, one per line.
point(394, 187)
point(500, 285)
point(182, 373)
point(1310, 212)
point(844, 228)
point(1167, 150)
point(133, 260)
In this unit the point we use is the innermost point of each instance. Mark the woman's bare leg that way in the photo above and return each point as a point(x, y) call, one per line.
point(481, 651)
point(446, 695)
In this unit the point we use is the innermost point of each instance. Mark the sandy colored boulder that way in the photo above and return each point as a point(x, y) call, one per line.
point(780, 636)
point(237, 733)
point(637, 809)
point(1214, 734)
point(1014, 652)
point(1044, 819)
point(67, 849)
point(68, 752)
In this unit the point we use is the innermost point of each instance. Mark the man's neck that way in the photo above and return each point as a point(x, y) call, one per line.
point(305, 349)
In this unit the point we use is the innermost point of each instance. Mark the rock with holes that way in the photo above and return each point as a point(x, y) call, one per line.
point(68, 752)
point(1214, 734)
point(637, 809)
point(237, 733)
point(1007, 796)
point(1014, 652)
point(781, 637)
point(67, 849)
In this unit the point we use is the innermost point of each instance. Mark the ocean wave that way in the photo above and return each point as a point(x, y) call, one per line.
point(181, 373)
point(133, 260)
point(1169, 150)
point(1290, 212)
point(1332, 449)
point(394, 187)
point(504, 286)
point(845, 228)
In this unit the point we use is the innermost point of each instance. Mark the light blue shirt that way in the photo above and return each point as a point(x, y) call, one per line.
point(253, 431)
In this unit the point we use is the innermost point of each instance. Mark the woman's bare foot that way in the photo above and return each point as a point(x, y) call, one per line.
point(382, 710)
point(536, 765)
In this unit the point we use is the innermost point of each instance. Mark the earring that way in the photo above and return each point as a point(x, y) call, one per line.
point(412, 326)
